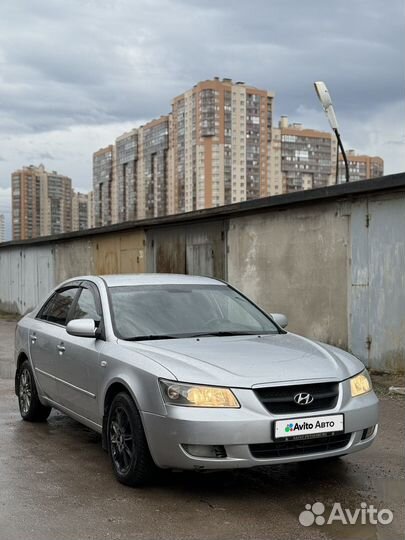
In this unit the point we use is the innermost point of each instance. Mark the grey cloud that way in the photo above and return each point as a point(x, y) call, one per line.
point(44, 155)
point(400, 142)
point(91, 62)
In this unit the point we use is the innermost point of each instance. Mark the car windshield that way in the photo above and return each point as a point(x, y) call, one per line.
point(173, 311)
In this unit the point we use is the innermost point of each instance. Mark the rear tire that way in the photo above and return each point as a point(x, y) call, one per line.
point(31, 409)
point(127, 445)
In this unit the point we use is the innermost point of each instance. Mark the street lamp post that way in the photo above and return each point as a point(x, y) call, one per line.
point(326, 101)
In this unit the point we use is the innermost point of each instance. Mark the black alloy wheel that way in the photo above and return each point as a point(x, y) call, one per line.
point(127, 445)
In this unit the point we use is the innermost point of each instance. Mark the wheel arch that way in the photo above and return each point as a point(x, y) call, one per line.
point(115, 387)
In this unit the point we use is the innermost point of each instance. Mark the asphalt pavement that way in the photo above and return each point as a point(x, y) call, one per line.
point(56, 483)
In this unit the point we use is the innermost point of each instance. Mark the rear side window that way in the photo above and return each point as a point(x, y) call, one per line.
point(57, 309)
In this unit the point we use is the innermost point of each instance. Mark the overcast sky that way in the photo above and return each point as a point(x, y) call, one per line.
point(75, 74)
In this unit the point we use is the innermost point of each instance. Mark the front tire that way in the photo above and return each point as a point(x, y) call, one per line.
point(127, 445)
point(31, 409)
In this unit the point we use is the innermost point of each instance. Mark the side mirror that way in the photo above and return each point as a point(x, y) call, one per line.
point(81, 328)
point(280, 319)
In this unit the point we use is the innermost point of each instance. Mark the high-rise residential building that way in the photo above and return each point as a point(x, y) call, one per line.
point(127, 175)
point(56, 212)
point(80, 211)
point(140, 170)
point(104, 186)
point(217, 146)
point(212, 149)
point(2, 228)
point(301, 158)
point(90, 209)
point(26, 202)
point(153, 170)
point(220, 134)
point(41, 203)
point(361, 167)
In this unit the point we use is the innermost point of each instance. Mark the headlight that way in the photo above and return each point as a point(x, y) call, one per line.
point(191, 395)
point(360, 384)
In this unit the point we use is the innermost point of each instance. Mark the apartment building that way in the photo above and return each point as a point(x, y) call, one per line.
point(361, 167)
point(220, 135)
point(127, 175)
point(134, 171)
point(153, 170)
point(217, 146)
point(212, 149)
point(41, 203)
point(301, 158)
point(56, 197)
point(2, 228)
point(105, 187)
point(90, 209)
point(81, 203)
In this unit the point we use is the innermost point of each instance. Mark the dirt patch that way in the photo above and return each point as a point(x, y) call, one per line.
point(383, 380)
point(5, 316)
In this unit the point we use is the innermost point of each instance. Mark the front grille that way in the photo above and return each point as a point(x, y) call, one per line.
point(301, 447)
point(280, 399)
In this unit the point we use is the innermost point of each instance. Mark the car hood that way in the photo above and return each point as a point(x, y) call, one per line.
point(246, 361)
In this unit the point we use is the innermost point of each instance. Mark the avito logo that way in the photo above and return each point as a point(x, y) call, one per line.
point(314, 514)
point(299, 426)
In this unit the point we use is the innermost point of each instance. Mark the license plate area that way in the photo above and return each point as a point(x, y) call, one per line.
point(308, 427)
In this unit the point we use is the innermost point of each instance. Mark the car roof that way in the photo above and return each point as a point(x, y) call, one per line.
point(119, 280)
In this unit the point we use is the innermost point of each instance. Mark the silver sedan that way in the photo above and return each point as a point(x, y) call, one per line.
point(185, 372)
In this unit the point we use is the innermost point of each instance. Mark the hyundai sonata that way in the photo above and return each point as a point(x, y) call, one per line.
point(185, 372)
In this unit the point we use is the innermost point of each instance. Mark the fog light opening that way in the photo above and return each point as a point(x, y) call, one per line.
point(367, 433)
point(205, 450)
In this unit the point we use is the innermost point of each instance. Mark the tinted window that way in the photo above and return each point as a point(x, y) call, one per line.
point(86, 306)
point(57, 308)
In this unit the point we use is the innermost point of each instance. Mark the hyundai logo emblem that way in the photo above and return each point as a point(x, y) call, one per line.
point(303, 398)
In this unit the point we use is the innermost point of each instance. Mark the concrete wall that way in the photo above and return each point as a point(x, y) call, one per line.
point(296, 263)
point(74, 258)
point(333, 260)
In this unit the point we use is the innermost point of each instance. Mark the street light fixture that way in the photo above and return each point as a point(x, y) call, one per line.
point(326, 101)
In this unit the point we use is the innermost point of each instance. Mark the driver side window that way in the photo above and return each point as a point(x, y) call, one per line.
point(86, 307)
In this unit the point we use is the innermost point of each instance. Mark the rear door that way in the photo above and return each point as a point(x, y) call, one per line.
point(45, 335)
point(78, 367)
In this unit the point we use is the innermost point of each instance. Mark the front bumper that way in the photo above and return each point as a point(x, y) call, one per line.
point(237, 429)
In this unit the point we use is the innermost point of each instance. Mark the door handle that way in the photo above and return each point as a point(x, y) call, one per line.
point(33, 338)
point(61, 348)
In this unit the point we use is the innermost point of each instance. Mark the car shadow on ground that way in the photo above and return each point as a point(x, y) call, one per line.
point(274, 480)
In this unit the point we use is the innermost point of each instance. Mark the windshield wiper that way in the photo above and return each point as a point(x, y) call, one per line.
point(227, 333)
point(223, 333)
point(151, 337)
